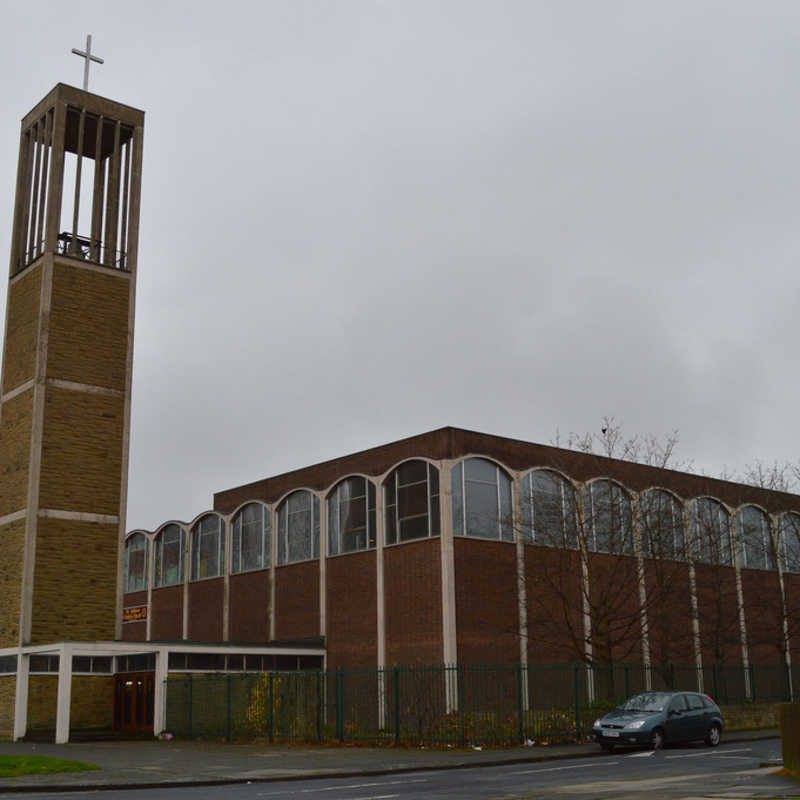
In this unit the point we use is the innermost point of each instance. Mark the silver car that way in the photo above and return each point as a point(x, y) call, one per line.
point(651, 719)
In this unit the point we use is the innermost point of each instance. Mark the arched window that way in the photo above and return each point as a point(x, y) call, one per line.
point(208, 547)
point(137, 549)
point(662, 525)
point(411, 502)
point(549, 510)
point(482, 500)
point(609, 518)
point(711, 532)
point(755, 541)
point(351, 516)
point(789, 527)
point(250, 538)
point(169, 546)
point(298, 527)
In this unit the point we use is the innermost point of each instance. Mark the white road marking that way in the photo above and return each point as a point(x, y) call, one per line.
point(556, 769)
point(646, 754)
point(713, 753)
point(285, 793)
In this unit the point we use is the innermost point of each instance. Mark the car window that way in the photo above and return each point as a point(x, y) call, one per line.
point(707, 701)
point(648, 701)
point(695, 701)
point(678, 703)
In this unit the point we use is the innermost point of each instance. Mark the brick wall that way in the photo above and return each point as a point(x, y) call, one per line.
point(42, 702)
point(352, 635)
point(205, 610)
point(413, 583)
point(167, 611)
point(92, 702)
point(249, 606)
point(82, 453)
point(12, 537)
point(669, 612)
point(487, 612)
point(88, 326)
point(19, 354)
point(297, 600)
point(15, 442)
point(720, 638)
point(74, 583)
point(8, 688)
point(552, 584)
point(763, 615)
point(134, 631)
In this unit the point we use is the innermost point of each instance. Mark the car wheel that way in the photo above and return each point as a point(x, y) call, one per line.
point(713, 736)
point(657, 739)
point(607, 747)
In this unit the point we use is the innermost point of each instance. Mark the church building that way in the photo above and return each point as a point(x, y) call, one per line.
point(448, 547)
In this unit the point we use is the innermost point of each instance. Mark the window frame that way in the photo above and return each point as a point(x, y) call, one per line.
point(237, 537)
point(433, 519)
point(504, 526)
point(196, 548)
point(126, 577)
point(284, 545)
point(334, 504)
point(158, 563)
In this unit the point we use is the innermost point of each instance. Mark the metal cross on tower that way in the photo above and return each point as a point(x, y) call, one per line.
point(89, 57)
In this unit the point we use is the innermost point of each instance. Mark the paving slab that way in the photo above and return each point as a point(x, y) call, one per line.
point(139, 764)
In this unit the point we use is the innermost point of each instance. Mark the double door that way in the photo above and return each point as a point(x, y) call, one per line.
point(134, 694)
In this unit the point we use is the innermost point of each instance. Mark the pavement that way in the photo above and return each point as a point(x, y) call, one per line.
point(150, 764)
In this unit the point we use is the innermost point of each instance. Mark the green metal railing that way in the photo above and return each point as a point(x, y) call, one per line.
point(458, 704)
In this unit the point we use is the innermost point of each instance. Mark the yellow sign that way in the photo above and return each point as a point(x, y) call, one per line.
point(134, 614)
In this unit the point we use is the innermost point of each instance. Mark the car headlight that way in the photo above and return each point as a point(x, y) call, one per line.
point(596, 723)
point(634, 725)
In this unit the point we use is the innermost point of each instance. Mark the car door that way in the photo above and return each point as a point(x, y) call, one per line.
point(677, 722)
point(696, 715)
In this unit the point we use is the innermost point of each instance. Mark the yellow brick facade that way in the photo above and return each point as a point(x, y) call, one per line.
point(8, 688)
point(19, 356)
point(92, 703)
point(15, 444)
point(74, 581)
point(12, 540)
point(88, 326)
point(82, 452)
point(42, 702)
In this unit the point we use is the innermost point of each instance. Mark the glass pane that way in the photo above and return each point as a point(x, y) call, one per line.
point(412, 500)
point(458, 500)
point(506, 515)
point(478, 469)
point(411, 472)
point(413, 528)
point(481, 510)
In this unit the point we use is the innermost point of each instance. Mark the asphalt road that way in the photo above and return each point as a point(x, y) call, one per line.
point(676, 772)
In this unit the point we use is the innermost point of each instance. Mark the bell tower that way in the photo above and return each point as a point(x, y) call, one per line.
point(65, 391)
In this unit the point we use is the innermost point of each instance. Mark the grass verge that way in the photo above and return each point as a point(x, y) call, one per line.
point(14, 766)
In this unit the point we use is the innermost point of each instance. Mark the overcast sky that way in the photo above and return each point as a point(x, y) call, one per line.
point(362, 220)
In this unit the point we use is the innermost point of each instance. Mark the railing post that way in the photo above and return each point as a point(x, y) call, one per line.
point(396, 671)
point(190, 706)
point(460, 695)
point(339, 704)
point(319, 706)
point(577, 690)
point(520, 708)
point(271, 699)
point(752, 671)
point(627, 680)
point(715, 681)
point(228, 713)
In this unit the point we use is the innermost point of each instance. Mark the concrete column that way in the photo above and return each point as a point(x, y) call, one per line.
point(76, 201)
point(449, 634)
point(160, 694)
point(687, 536)
point(21, 698)
point(227, 521)
point(151, 566)
point(187, 571)
point(323, 572)
point(522, 587)
point(64, 694)
point(734, 530)
point(98, 193)
point(273, 543)
point(583, 550)
point(640, 572)
point(380, 609)
point(775, 540)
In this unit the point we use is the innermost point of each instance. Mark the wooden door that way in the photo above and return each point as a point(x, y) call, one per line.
point(133, 701)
